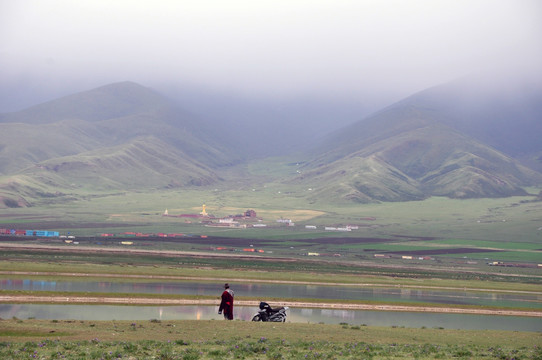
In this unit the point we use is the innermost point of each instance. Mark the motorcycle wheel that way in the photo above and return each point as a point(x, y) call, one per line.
point(257, 318)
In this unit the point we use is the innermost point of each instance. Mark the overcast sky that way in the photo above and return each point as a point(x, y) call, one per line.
point(265, 48)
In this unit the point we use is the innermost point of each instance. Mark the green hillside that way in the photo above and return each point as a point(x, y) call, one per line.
point(403, 154)
point(359, 179)
point(124, 136)
point(117, 137)
point(202, 146)
point(143, 163)
point(106, 102)
point(501, 113)
point(22, 190)
point(25, 145)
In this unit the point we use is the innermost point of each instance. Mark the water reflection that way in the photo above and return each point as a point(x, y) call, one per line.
point(264, 291)
point(327, 316)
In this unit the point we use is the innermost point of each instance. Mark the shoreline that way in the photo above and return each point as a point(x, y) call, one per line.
point(96, 300)
point(290, 282)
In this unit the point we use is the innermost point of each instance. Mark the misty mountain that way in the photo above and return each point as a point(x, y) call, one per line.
point(106, 102)
point(273, 126)
point(502, 112)
point(143, 162)
point(120, 136)
point(442, 141)
point(125, 136)
point(109, 116)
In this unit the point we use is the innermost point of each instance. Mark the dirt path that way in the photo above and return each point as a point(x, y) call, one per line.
point(340, 306)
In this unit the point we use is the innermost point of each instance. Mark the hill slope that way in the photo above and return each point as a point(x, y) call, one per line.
point(106, 102)
point(125, 136)
point(115, 167)
point(115, 137)
point(107, 116)
point(407, 152)
point(504, 113)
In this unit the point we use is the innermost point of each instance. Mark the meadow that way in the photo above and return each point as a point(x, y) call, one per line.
point(87, 213)
point(155, 339)
point(461, 234)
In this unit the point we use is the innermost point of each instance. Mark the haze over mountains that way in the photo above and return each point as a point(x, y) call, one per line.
point(459, 140)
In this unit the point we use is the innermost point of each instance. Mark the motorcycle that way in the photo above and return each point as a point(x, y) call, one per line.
point(267, 313)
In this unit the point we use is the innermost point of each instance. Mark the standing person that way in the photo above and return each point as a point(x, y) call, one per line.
point(227, 303)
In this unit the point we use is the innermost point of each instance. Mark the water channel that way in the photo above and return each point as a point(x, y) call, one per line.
point(265, 291)
point(327, 316)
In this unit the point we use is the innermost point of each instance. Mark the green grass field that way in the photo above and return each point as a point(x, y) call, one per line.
point(154, 339)
point(507, 219)
point(51, 339)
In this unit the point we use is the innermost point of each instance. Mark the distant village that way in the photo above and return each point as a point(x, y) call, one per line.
point(248, 219)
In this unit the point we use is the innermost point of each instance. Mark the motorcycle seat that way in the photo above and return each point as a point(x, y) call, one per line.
point(274, 311)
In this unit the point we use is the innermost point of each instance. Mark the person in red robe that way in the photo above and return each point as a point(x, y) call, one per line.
point(226, 304)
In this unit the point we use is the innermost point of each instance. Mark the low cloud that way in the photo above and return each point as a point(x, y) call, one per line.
point(274, 49)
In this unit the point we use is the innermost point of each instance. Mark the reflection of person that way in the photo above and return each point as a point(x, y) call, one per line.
point(226, 304)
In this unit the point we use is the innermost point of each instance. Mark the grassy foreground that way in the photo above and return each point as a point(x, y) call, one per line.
point(154, 339)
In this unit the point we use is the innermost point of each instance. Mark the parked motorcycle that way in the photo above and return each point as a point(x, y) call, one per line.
point(267, 313)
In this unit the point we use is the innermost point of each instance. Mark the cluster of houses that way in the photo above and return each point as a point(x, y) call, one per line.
point(249, 219)
point(403, 257)
point(34, 233)
point(243, 220)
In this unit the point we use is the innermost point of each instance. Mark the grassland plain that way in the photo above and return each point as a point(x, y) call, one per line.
point(86, 213)
point(96, 260)
point(54, 339)
point(507, 220)
point(92, 266)
point(155, 339)
point(118, 267)
point(509, 225)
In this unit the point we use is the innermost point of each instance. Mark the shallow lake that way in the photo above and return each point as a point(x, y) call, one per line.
point(265, 291)
point(374, 318)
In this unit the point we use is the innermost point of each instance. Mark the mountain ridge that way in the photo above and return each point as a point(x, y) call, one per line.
point(102, 103)
point(124, 136)
point(433, 159)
